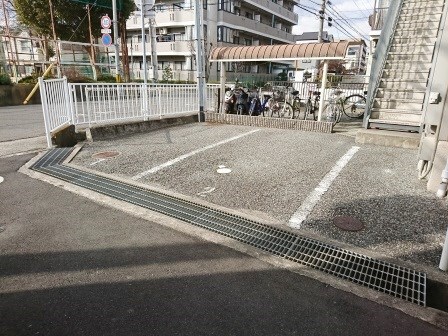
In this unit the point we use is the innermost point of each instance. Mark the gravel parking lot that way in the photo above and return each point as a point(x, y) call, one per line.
point(272, 174)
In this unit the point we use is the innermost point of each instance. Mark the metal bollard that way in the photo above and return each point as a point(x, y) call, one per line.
point(443, 265)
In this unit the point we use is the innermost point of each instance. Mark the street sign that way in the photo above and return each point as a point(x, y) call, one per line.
point(106, 31)
point(145, 6)
point(106, 39)
point(106, 22)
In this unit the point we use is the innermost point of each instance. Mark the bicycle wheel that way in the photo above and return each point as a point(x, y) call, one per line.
point(285, 110)
point(333, 113)
point(307, 111)
point(354, 106)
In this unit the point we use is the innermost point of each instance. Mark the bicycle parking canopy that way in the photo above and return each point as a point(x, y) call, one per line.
point(285, 52)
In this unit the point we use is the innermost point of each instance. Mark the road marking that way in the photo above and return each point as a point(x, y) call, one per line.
point(183, 157)
point(96, 162)
point(1, 179)
point(314, 197)
point(207, 190)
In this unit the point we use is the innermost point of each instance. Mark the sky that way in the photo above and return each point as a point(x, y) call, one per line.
point(355, 12)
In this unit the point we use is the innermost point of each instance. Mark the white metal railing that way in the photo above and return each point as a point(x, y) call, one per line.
point(109, 103)
point(56, 105)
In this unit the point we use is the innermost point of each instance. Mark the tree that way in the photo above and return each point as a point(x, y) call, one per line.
point(70, 18)
point(167, 74)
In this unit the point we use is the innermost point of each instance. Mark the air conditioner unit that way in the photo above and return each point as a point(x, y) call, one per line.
point(163, 31)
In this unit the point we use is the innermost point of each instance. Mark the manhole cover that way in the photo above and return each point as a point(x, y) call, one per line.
point(105, 155)
point(348, 223)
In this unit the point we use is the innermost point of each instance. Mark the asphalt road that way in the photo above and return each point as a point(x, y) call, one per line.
point(70, 266)
point(19, 122)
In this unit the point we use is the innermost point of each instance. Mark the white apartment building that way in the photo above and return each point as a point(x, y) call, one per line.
point(356, 58)
point(226, 23)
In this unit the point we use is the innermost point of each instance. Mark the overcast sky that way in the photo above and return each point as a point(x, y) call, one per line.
point(355, 12)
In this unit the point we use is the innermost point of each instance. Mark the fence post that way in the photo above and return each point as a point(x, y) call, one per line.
point(68, 100)
point(43, 97)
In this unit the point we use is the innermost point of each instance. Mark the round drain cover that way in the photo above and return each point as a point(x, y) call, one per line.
point(105, 155)
point(348, 223)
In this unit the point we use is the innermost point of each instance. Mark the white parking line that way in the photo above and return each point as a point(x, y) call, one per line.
point(314, 197)
point(183, 157)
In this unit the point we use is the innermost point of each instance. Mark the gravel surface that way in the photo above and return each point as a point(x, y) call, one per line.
point(273, 171)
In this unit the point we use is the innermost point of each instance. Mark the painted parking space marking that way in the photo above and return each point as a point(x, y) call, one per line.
point(314, 197)
point(1, 179)
point(183, 157)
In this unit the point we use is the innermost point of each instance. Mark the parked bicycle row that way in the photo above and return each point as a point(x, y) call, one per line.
point(287, 103)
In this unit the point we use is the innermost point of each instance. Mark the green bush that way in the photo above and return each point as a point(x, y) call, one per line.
point(28, 80)
point(5, 79)
point(106, 79)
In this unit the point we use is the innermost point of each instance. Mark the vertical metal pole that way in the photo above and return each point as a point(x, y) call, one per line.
point(92, 51)
point(43, 96)
point(322, 91)
point(443, 265)
point(117, 55)
point(145, 66)
point(200, 58)
point(223, 85)
point(145, 70)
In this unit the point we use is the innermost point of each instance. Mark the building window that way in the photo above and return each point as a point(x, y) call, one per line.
point(247, 42)
point(352, 51)
point(178, 66)
point(226, 5)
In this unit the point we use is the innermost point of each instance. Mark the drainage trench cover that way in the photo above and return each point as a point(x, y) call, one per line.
point(348, 223)
point(397, 281)
point(105, 155)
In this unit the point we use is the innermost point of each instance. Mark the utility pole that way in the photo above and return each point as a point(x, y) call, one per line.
point(200, 58)
point(117, 54)
point(323, 7)
point(152, 36)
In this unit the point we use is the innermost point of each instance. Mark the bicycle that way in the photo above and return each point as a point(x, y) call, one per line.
point(312, 105)
point(257, 107)
point(333, 110)
point(278, 107)
point(355, 105)
point(352, 106)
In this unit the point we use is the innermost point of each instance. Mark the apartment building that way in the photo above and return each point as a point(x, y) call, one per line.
point(226, 23)
point(356, 58)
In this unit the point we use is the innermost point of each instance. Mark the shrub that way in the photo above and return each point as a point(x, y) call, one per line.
point(106, 79)
point(5, 79)
point(28, 80)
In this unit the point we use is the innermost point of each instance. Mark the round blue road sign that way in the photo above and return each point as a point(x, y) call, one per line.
point(106, 39)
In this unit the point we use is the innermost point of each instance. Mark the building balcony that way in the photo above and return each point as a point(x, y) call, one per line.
point(275, 9)
point(175, 48)
point(253, 27)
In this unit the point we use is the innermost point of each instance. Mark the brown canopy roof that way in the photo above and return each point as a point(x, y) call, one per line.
point(331, 50)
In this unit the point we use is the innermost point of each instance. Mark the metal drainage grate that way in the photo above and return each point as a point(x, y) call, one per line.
point(397, 281)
